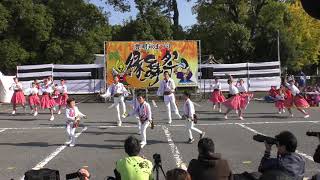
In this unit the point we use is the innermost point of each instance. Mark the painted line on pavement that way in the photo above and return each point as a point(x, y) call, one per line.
point(173, 125)
point(54, 154)
point(174, 149)
point(256, 132)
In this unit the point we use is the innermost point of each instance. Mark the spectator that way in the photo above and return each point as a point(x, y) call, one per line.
point(177, 174)
point(209, 165)
point(134, 166)
point(271, 97)
point(302, 79)
point(276, 175)
point(287, 160)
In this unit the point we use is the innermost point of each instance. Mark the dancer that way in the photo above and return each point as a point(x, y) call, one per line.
point(18, 96)
point(245, 96)
point(233, 103)
point(189, 115)
point(166, 89)
point(143, 110)
point(73, 116)
point(296, 99)
point(34, 100)
point(55, 97)
point(280, 99)
point(217, 96)
point(46, 99)
point(63, 95)
point(118, 91)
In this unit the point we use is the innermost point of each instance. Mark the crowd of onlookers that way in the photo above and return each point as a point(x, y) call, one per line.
point(209, 165)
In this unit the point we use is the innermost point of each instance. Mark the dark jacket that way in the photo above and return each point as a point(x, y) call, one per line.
point(292, 163)
point(316, 156)
point(210, 167)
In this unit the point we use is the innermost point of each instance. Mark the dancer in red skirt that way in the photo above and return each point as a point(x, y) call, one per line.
point(217, 96)
point(233, 103)
point(280, 99)
point(46, 99)
point(296, 99)
point(34, 100)
point(63, 95)
point(244, 94)
point(18, 96)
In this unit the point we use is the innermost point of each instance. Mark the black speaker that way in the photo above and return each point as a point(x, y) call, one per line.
point(312, 7)
point(42, 174)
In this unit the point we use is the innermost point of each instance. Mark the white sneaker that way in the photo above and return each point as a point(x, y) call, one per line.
point(179, 116)
point(306, 116)
point(214, 107)
point(35, 113)
point(54, 108)
point(72, 145)
point(103, 95)
point(279, 112)
point(68, 142)
point(31, 112)
point(283, 110)
point(59, 112)
point(237, 111)
point(241, 118)
point(220, 110)
point(291, 115)
point(119, 124)
point(13, 112)
point(51, 118)
point(225, 117)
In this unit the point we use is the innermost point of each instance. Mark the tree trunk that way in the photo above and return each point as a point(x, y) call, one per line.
point(175, 13)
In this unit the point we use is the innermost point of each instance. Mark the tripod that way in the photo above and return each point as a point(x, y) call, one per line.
point(156, 167)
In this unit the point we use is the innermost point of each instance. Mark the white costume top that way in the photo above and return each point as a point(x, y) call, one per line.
point(280, 97)
point(46, 89)
point(143, 111)
point(71, 113)
point(233, 90)
point(166, 86)
point(63, 88)
point(34, 91)
point(242, 88)
point(16, 86)
point(217, 86)
point(293, 88)
point(188, 109)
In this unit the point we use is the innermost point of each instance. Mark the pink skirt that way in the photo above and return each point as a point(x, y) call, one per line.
point(233, 102)
point(280, 104)
point(217, 97)
point(34, 100)
point(18, 98)
point(46, 101)
point(245, 98)
point(62, 99)
point(300, 102)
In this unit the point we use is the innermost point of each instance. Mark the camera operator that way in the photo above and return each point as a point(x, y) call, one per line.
point(209, 165)
point(287, 160)
point(134, 166)
point(316, 156)
point(178, 174)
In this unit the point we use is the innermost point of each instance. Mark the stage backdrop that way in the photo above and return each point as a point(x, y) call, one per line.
point(141, 64)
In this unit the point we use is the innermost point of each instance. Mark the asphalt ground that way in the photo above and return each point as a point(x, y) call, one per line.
point(27, 142)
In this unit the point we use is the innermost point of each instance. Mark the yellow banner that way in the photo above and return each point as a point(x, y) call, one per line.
point(141, 64)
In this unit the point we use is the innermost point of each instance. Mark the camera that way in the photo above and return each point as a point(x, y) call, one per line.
point(157, 159)
point(311, 133)
point(74, 175)
point(267, 139)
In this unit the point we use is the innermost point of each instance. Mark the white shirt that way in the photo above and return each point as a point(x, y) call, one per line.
point(34, 91)
point(166, 86)
point(16, 86)
point(143, 111)
point(188, 109)
point(217, 86)
point(117, 89)
point(242, 88)
point(46, 89)
point(63, 89)
point(233, 89)
point(293, 88)
point(70, 117)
